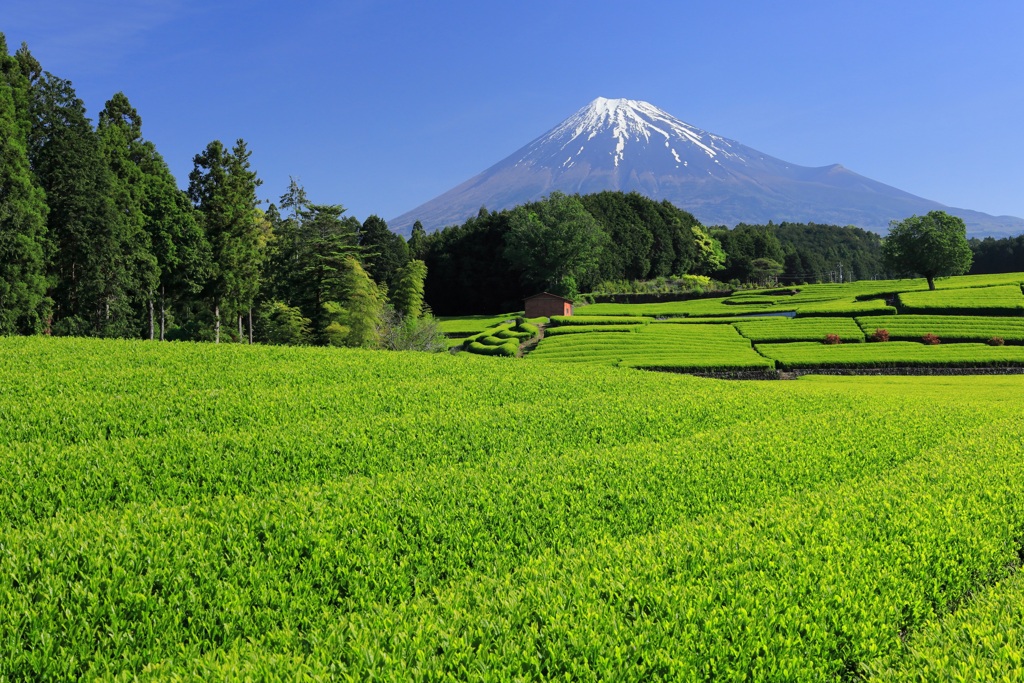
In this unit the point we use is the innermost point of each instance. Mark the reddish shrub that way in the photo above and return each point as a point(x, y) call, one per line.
point(832, 339)
point(880, 335)
point(931, 338)
point(996, 341)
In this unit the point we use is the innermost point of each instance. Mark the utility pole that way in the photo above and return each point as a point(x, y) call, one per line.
point(840, 272)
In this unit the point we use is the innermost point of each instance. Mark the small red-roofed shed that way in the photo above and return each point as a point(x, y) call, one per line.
point(545, 305)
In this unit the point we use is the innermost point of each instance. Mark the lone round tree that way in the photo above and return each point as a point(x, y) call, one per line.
point(931, 246)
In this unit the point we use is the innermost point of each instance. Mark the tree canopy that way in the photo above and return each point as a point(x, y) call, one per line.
point(931, 246)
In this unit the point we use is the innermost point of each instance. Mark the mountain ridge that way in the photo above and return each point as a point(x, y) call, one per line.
point(631, 145)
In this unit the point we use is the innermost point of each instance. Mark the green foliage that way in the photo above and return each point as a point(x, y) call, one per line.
point(222, 186)
point(968, 328)
point(133, 274)
point(893, 354)
point(400, 332)
point(418, 242)
point(306, 259)
point(710, 256)
point(765, 271)
point(283, 324)
point(803, 329)
point(24, 304)
point(385, 253)
point(584, 329)
point(559, 320)
point(554, 242)
point(337, 331)
point(714, 307)
point(646, 239)
point(482, 264)
point(684, 284)
point(982, 640)
point(408, 293)
point(671, 347)
point(471, 324)
point(991, 255)
point(363, 305)
point(185, 511)
point(506, 349)
point(844, 308)
point(932, 245)
point(992, 301)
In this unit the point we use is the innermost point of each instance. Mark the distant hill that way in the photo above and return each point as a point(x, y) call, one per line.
point(630, 145)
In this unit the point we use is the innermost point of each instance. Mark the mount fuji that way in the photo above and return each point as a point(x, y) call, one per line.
point(630, 145)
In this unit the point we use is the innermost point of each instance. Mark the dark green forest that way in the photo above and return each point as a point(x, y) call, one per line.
point(992, 255)
point(97, 238)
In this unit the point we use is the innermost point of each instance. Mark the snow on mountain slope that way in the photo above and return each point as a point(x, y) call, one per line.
point(629, 145)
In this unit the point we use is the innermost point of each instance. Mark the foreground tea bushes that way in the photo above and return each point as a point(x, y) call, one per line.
point(982, 641)
point(240, 512)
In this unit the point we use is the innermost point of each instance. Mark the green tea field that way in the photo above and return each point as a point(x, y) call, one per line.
point(978, 320)
point(194, 512)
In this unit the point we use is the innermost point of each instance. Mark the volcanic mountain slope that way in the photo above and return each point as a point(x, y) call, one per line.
point(630, 145)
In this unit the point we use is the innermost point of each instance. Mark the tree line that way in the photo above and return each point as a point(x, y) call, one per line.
point(561, 244)
point(991, 255)
point(97, 239)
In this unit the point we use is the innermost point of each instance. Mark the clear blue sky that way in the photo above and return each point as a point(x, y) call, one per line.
point(382, 105)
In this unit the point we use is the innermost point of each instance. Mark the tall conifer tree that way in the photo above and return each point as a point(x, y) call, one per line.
point(384, 251)
point(222, 186)
point(24, 304)
point(133, 277)
point(64, 153)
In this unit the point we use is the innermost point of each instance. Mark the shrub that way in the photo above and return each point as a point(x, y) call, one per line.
point(832, 338)
point(996, 341)
point(399, 332)
point(880, 335)
point(492, 340)
point(508, 349)
point(512, 334)
point(283, 324)
point(931, 338)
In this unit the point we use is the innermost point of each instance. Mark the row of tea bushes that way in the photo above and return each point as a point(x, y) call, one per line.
point(1005, 300)
point(671, 347)
point(894, 354)
point(802, 329)
point(949, 328)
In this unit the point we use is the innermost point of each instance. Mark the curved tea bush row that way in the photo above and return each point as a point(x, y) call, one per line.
point(949, 328)
point(802, 329)
point(489, 332)
point(472, 324)
point(507, 348)
point(504, 341)
point(804, 355)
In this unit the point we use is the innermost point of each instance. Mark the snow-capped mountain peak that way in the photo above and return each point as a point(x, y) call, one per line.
point(613, 125)
point(633, 146)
